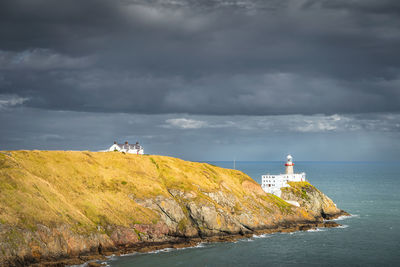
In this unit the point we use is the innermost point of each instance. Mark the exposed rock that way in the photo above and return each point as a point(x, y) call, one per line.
point(226, 200)
point(152, 232)
point(124, 236)
point(169, 210)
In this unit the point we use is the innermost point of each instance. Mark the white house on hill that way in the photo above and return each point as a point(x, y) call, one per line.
point(127, 148)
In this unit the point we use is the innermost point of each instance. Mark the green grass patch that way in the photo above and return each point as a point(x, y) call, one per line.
point(281, 204)
point(155, 163)
point(300, 189)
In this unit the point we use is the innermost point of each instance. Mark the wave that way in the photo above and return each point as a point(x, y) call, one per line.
point(86, 264)
point(199, 245)
point(127, 254)
point(262, 236)
point(113, 256)
point(161, 250)
point(316, 230)
point(343, 217)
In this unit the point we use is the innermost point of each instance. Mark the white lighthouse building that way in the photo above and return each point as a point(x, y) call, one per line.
point(272, 183)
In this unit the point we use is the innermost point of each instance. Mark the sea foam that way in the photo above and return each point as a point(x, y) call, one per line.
point(262, 236)
point(199, 245)
point(316, 230)
point(343, 217)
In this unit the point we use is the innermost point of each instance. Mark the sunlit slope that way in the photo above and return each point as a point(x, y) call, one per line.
point(88, 189)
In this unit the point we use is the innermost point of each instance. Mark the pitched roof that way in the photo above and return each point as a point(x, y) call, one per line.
point(129, 146)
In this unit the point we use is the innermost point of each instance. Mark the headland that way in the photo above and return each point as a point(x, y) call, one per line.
point(64, 207)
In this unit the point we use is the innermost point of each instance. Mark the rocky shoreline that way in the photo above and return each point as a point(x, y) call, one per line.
point(92, 259)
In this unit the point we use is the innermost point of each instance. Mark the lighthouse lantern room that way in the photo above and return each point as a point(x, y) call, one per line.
point(289, 165)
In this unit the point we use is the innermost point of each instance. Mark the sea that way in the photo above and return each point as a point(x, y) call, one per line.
point(369, 191)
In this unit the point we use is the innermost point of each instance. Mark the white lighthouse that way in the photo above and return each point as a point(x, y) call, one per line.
point(272, 183)
point(289, 165)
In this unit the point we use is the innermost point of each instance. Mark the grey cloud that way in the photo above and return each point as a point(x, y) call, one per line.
point(318, 123)
point(184, 123)
point(350, 137)
point(202, 57)
point(40, 59)
point(279, 93)
point(8, 101)
point(366, 6)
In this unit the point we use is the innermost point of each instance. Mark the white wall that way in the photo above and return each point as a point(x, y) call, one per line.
point(114, 147)
point(280, 180)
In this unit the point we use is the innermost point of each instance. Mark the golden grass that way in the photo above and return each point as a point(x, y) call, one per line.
point(87, 189)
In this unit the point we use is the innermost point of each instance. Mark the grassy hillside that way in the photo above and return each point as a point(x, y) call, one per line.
point(63, 205)
point(88, 189)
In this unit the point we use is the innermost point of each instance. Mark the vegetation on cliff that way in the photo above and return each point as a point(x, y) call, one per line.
point(58, 203)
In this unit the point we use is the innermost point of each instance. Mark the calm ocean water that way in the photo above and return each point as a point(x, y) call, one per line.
point(371, 237)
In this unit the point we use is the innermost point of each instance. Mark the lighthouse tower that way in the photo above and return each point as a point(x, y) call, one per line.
point(289, 165)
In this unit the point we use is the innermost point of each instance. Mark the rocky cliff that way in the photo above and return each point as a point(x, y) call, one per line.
point(57, 205)
point(312, 200)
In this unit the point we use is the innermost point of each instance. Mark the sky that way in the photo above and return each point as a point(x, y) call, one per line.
point(203, 80)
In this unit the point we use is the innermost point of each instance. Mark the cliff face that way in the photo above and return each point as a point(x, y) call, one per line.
point(311, 199)
point(57, 204)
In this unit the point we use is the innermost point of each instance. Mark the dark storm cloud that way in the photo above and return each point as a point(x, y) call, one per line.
point(202, 57)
